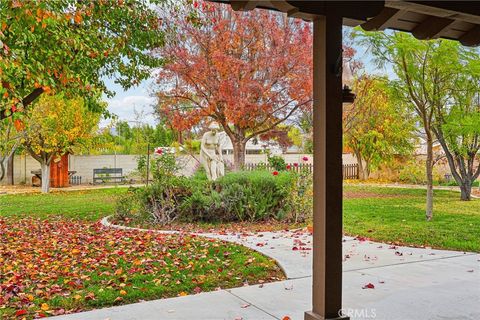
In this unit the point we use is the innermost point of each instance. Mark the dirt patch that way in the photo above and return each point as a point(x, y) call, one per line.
point(18, 189)
point(368, 194)
point(22, 189)
point(221, 228)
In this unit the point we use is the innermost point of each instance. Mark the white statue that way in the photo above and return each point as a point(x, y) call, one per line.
point(211, 153)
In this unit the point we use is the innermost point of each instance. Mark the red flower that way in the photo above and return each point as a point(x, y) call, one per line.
point(295, 164)
point(20, 312)
point(195, 4)
point(305, 158)
point(289, 167)
point(275, 173)
point(159, 151)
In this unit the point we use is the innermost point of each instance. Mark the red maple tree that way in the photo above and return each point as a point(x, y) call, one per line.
point(248, 71)
point(278, 136)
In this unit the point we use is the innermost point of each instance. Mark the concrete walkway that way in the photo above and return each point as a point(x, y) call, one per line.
point(409, 283)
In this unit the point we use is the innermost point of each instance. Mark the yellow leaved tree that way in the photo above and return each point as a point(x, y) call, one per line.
point(54, 126)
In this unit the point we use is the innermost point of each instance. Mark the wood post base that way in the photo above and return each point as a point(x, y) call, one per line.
point(310, 315)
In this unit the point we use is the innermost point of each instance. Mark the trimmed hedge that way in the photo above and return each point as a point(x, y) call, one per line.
point(238, 196)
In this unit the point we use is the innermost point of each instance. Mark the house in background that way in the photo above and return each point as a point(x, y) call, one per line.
point(257, 146)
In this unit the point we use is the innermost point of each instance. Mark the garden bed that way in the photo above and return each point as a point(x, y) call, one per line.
point(255, 197)
point(205, 227)
point(63, 266)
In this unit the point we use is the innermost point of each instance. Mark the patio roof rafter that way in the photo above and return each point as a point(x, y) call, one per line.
point(381, 21)
point(472, 37)
point(431, 28)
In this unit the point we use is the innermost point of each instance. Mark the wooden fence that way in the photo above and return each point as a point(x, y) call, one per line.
point(350, 171)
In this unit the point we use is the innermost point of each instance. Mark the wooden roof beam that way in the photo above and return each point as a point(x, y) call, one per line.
point(381, 21)
point(244, 5)
point(431, 28)
point(472, 37)
point(355, 10)
point(467, 11)
point(284, 6)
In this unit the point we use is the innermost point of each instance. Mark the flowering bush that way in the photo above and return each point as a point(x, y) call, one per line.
point(277, 162)
point(164, 165)
point(301, 196)
point(161, 199)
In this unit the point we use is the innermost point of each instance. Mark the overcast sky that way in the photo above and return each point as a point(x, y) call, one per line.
point(125, 103)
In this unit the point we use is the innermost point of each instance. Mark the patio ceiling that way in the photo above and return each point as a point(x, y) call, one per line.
point(456, 20)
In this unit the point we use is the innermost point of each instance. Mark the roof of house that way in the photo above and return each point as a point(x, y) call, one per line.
point(457, 20)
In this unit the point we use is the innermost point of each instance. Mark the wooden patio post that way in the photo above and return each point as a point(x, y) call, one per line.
point(327, 169)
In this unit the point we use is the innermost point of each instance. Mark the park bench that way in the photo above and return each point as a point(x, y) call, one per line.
point(105, 175)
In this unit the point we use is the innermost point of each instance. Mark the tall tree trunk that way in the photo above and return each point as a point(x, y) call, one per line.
point(10, 169)
point(45, 166)
point(362, 167)
point(238, 154)
point(180, 137)
point(464, 174)
point(429, 169)
point(366, 170)
point(466, 191)
point(2, 168)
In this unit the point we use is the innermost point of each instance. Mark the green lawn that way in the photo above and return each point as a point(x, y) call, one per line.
point(398, 215)
point(89, 205)
point(379, 213)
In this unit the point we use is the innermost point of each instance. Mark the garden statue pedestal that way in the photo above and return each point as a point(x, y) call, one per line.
point(211, 153)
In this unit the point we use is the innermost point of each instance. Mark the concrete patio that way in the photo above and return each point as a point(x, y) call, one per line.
point(409, 283)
